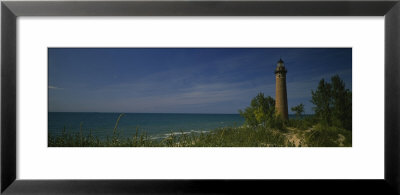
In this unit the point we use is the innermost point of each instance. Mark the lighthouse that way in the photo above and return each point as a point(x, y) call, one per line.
point(281, 104)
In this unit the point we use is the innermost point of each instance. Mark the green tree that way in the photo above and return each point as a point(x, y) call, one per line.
point(322, 99)
point(342, 106)
point(299, 110)
point(333, 105)
point(261, 111)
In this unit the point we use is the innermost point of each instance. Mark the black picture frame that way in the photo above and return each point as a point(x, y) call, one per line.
point(11, 10)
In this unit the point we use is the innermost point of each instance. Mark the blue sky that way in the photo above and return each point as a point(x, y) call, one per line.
point(185, 80)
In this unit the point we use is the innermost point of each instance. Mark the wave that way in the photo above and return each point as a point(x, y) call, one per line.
point(165, 135)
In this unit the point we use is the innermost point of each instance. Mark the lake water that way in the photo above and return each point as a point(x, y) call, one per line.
point(156, 125)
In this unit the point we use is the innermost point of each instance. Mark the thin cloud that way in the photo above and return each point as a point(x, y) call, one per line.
point(54, 87)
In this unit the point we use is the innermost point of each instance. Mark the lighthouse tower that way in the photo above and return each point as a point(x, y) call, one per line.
point(281, 105)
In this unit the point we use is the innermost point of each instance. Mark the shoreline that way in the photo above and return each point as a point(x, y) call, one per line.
point(240, 136)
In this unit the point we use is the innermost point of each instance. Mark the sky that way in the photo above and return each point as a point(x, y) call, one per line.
point(185, 80)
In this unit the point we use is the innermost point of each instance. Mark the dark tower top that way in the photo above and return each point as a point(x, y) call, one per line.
point(280, 62)
point(280, 68)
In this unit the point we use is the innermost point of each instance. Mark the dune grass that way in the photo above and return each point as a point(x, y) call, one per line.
point(244, 136)
point(223, 137)
point(327, 136)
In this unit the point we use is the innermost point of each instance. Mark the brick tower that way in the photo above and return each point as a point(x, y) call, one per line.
point(281, 105)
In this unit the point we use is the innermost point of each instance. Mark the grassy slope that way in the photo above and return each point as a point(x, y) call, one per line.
point(315, 136)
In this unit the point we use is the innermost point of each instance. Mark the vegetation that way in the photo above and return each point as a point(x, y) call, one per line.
point(333, 105)
point(261, 112)
point(223, 137)
point(299, 110)
point(330, 126)
point(328, 136)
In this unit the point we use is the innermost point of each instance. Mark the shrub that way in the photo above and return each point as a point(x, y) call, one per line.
point(328, 136)
point(261, 112)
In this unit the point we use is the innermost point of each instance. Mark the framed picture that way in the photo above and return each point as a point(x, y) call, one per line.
point(239, 94)
point(199, 97)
